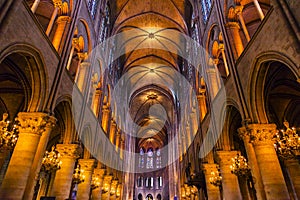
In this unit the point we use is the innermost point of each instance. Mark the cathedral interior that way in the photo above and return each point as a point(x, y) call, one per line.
point(149, 99)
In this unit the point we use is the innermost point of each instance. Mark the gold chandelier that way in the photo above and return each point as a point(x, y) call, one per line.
point(78, 176)
point(8, 133)
point(51, 160)
point(287, 142)
point(240, 166)
point(215, 178)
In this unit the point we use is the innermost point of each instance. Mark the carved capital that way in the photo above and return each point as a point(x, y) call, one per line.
point(99, 173)
point(224, 157)
point(87, 164)
point(69, 150)
point(262, 134)
point(208, 168)
point(63, 19)
point(35, 122)
point(233, 25)
point(57, 3)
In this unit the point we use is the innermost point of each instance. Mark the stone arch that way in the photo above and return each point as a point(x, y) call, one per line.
point(64, 115)
point(256, 83)
point(27, 63)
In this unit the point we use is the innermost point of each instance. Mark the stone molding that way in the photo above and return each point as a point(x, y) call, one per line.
point(35, 122)
point(69, 150)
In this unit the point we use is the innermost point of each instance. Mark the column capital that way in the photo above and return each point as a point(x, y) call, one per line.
point(225, 156)
point(35, 122)
point(209, 167)
point(87, 164)
point(99, 173)
point(261, 134)
point(82, 56)
point(63, 19)
point(233, 25)
point(69, 150)
point(57, 3)
point(238, 9)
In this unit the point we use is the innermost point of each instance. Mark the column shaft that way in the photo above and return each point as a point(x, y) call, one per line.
point(270, 170)
point(84, 188)
point(293, 169)
point(259, 187)
point(213, 192)
point(35, 5)
point(259, 10)
point(235, 30)
point(230, 184)
point(63, 179)
point(30, 130)
point(62, 22)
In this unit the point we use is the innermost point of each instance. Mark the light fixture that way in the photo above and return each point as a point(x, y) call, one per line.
point(78, 176)
point(95, 182)
point(51, 160)
point(215, 178)
point(8, 133)
point(239, 166)
point(287, 142)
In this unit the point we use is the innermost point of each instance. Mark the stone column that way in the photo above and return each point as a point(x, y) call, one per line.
point(235, 31)
point(118, 137)
point(239, 12)
point(96, 193)
point(230, 182)
point(202, 104)
point(222, 49)
point(63, 179)
point(112, 131)
point(57, 6)
point(213, 192)
point(62, 22)
point(32, 126)
point(84, 188)
point(35, 5)
point(259, 10)
point(252, 161)
point(113, 189)
point(213, 81)
point(106, 187)
point(262, 138)
point(37, 162)
point(293, 169)
point(82, 76)
point(105, 118)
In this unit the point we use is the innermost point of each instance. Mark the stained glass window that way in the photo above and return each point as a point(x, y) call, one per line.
point(104, 23)
point(206, 6)
point(158, 159)
point(149, 164)
point(93, 7)
point(141, 159)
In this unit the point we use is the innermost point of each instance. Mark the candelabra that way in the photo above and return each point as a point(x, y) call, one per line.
point(239, 166)
point(215, 178)
point(95, 182)
point(78, 176)
point(8, 133)
point(51, 160)
point(287, 142)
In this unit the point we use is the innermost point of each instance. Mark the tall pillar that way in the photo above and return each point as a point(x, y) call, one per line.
point(230, 182)
point(96, 193)
point(84, 188)
point(105, 118)
point(270, 170)
point(112, 131)
point(62, 22)
point(202, 104)
point(35, 5)
point(82, 75)
point(213, 192)
point(63, 179)
point(37, 162)
point(293, 169)
point(239, 12)
point(213, 79)
point(32, 126)
point(252, 161)
point(235, 31)
point(222, 49)
point(106, 187)
point(57, 5)
point(118, 137)
point(259, 10)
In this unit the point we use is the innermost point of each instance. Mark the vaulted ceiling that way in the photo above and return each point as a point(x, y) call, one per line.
point(150, 60)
